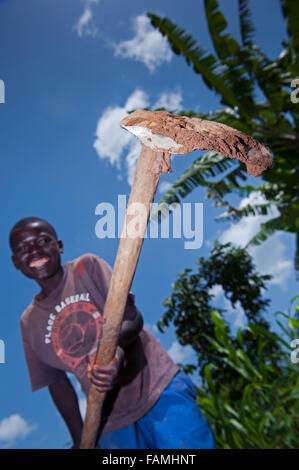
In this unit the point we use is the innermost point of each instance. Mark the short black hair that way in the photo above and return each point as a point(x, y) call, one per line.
point(22, 223)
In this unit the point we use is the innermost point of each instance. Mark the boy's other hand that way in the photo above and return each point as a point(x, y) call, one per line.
point(104, 378)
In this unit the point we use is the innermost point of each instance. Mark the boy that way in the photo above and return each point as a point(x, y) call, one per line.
point(148, 396)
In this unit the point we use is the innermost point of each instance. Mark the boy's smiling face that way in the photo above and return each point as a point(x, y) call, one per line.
point(36, 251)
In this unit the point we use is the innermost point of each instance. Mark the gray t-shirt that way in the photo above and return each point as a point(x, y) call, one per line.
point(60, 330)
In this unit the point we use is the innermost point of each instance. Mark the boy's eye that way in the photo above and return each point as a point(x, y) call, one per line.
point(43, 241)
point(21, 248)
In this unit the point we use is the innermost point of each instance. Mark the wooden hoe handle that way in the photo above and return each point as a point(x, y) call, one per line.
point(145, 183)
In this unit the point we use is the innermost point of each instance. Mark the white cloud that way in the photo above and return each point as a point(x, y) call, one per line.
point(85, 24)
point(241, 232)
point(236, 314)
point(180, 354)
point(237, 311)
point(14, 427)
point(111, 140)
point(170, 100)
point(147, 46)
point(82, 406)
point(217, 291)
point(81, 396)
point(131, 159)
point(152, 328)
point(164, 186)
point(269, 257)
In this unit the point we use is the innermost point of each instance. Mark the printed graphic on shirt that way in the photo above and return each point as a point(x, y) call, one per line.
point(74, 331)
point(80, 268)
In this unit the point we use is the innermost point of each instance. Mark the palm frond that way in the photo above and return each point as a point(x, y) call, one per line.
point(225, 45)
point(203, 63)
point(234, 214)
point(296, 262)
point(227, 184)
point(246, 26)
point(208, 165)
point(229, 52)
point(267, 229)
point(271, 81)
point(236, 72)
point(291, 14)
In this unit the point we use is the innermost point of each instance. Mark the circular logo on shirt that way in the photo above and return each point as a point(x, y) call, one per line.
point(76, 329)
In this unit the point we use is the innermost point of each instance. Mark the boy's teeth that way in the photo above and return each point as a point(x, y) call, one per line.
point(38, 262)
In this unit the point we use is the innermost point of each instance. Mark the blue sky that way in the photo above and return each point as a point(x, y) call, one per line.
point(72, 69)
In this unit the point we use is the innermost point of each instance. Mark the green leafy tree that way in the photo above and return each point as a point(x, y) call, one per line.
point(265, 414)
point(240, 73)
point(249, 388)
point(191, 303)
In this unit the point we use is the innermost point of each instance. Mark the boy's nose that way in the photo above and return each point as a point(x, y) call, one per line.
point(34, 248)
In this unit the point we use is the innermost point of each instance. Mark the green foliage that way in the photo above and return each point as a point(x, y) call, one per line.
point(265, 415)
point(249, 388)
point(229, 267)
point(239, 73)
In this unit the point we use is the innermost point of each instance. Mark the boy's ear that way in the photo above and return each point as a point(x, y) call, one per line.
point(60, 244)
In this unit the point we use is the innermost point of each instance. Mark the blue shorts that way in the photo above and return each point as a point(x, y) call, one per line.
point(174, 422)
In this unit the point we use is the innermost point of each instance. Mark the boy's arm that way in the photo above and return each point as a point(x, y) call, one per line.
point(105, 378)
point(66, 401)
point(131, 326)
